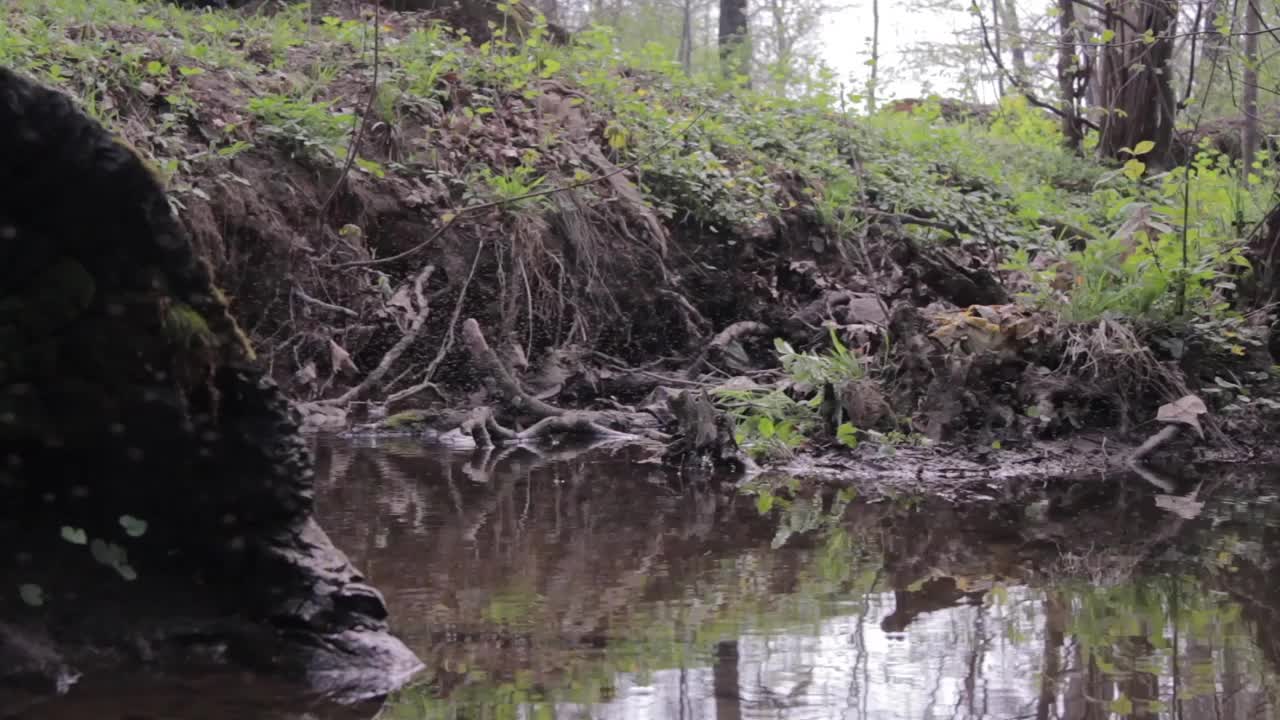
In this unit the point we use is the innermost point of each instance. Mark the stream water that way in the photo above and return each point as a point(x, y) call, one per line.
point(568, 585)
point(593, 587)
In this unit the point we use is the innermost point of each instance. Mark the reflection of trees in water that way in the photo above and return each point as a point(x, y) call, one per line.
point(570, 580)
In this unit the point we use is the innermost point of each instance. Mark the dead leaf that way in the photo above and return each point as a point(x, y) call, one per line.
point(1185, 410)
point(401, 301)
point(307, 374)
point(340, 359)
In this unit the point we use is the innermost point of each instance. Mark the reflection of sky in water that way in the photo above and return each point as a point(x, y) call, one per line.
point(920, 673)
point(485, 549)
point(925, 672)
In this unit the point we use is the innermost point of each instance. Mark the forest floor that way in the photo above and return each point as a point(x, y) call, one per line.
point(529, 239)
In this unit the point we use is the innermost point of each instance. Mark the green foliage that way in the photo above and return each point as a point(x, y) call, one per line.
point(310, 126)
point(513, 186)
point(817, 370)
point(770, 420)
point(724, 161)
point(1172, 250)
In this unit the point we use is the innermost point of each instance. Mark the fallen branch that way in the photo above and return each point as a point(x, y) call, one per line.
point(302, 295)
point(571, 424)
point(736, 331)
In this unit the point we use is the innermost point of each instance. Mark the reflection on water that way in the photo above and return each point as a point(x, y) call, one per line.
point(589, 587)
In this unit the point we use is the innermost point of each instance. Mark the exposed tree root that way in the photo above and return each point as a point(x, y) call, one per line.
point(488, 360)
point(583, 424)
point(736, 331)
point(392, 355)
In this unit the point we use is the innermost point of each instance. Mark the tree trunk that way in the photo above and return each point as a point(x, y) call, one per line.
point(1135, 75)
point(1068, 65)
point(781, 46)
point(1017, 44)
point(735, 41)
point(875, 56)
point(550, 9)
point(1249, 98)
point(1213, 39)
point(996, 21)
point(686, 37)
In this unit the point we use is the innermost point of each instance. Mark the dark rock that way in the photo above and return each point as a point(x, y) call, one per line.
point(155, 494)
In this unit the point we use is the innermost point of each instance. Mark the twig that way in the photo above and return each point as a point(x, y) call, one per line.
point(302, 295)
point(507, 201)
point(408, 338)
point(354, 147)
point(729, 334)
point(1103, 11)
point(954, 229)
point(1022, 87)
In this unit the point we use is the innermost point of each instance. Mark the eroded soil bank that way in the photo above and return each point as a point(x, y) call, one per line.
point(539, 239)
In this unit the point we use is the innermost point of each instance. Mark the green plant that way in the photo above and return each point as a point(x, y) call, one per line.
point(770, 420)
point(311, 126)
point(512, 187)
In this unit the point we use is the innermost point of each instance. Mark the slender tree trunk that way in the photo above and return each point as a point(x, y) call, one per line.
point(996, 22)
point(686, 36)
point(1249, 134)
point(1136, 75)
point(735, 41)
point(875, 56)
point(1017, 44)
point(1213, 39)
point(781, 46)
point(1068, 65)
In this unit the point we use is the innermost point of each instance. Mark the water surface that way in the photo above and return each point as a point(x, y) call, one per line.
point(593, 587)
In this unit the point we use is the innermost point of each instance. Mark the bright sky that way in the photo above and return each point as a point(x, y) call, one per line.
point(846, 41)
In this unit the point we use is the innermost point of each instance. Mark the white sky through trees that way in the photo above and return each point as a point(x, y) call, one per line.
point(846, 45)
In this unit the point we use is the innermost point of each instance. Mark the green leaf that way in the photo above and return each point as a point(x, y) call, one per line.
point(31, 594)
point(1133, 169)
point(1108, 35)
point(765, 427)
point(847, 435)
point(1122, 706)
point(75, 536)
point(133, 527)
point(1144, 147)
point(764, 503)
point(550, 67)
